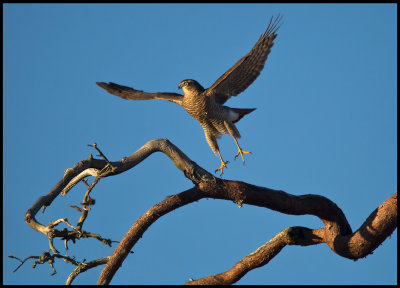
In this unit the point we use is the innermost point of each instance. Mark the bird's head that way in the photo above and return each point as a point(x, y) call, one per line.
point(190, 85)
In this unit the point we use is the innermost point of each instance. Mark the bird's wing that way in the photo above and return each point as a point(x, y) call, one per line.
point(247, 69)
point(129, 93)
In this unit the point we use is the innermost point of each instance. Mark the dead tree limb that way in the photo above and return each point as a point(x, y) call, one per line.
point(82, 267)
point(336, 233)
point(378, 226)
point(89, 167)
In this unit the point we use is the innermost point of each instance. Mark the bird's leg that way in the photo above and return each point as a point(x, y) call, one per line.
point(240, 152)
point(223, 164)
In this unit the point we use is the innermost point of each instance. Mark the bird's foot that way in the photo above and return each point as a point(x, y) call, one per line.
point(240, 152)
point(223, 164)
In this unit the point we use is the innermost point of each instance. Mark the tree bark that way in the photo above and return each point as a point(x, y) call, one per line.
point(336, 233)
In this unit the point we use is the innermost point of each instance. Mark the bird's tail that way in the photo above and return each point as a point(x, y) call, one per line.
point(241, 112)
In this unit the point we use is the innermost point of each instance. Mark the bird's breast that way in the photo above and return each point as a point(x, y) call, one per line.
point(197, 106)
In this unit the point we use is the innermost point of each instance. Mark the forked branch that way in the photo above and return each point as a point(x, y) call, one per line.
point(336, 233)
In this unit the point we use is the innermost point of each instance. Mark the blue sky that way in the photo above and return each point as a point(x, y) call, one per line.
point(325, 124)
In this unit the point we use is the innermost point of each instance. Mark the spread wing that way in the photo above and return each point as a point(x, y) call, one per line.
point(132, 94)
point(247, 69)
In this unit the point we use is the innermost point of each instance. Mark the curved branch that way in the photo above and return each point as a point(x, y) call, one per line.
point(86, 173)
point(191, 170)
point(337, 233)
point(378, 226)
point(290, 236)
point(140, 226)
point(82, 267)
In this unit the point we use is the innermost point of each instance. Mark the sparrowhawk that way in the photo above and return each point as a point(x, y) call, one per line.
point(206, 105)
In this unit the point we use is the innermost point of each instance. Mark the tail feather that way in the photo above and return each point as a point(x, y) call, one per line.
point(242, 112)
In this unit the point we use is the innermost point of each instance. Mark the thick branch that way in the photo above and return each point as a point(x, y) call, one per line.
point(140, 226)
point(378, 226)
point(337, 233)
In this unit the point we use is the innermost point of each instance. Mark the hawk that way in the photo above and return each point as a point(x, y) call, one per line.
point(206, 105)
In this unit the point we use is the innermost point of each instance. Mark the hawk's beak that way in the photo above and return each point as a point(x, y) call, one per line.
point(180, 86)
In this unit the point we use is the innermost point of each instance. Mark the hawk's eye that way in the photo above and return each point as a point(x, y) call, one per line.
point(186, 84)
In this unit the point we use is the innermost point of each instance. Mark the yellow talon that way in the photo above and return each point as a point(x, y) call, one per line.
point(240, 152)
point(223, 164)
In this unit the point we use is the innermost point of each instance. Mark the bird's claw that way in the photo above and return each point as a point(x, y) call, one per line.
point(223, 164)
point(240, 152)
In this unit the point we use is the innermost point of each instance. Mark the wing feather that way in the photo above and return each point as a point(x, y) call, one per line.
point(247, 69)
point(129, 93)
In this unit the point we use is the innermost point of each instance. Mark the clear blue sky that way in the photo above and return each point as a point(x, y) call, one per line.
point(325, 124)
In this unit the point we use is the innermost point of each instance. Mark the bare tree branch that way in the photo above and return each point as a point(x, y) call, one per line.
point(289, 236)
point(336, 233)
point(180, 160)
point(375, 230)
point(82, 267)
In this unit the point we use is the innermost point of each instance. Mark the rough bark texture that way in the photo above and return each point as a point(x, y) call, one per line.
point(336, 233)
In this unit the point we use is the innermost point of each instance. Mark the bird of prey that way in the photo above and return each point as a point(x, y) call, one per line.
point(206, 105)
